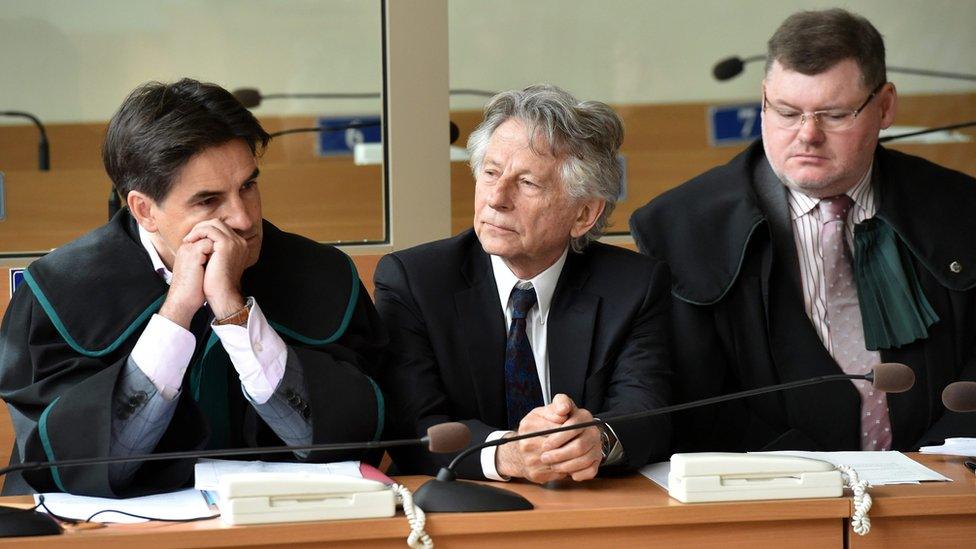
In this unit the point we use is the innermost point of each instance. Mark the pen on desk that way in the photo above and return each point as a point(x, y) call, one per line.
point(971, 465)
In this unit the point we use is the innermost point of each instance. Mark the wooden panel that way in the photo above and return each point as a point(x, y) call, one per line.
point(930, 514)
point(334, 201)
point(920, 531)
point(666, 145)
point(4, 289)
point(6, 428)
point(79, 146)
point(366, 265)
point(609, 512)
point(331, 199)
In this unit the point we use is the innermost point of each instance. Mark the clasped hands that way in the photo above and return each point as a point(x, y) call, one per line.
point(575, 453)
point(207, 267)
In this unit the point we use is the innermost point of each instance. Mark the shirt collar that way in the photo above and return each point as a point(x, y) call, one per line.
point(862, 194)
point(544, 283)
point(157, 261)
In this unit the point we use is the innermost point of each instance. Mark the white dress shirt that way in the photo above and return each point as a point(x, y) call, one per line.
point(164, 350)
point(805, 216)
point(536, 330)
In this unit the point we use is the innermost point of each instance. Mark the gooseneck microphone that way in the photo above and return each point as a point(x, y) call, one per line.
point(446, 494)
point(960, 396)
point(887, 138)
point(440, 439)
point(252, 97)
point(455, 132)
point(730, 67)
point(43, 149)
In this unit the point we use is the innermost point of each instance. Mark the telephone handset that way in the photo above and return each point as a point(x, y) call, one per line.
point(717, 476)
point(252, 498)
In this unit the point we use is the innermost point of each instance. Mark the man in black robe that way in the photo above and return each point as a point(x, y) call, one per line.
point(815, 252)
point(186, 322)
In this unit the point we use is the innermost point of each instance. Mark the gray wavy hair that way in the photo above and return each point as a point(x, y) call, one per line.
point(585, 135)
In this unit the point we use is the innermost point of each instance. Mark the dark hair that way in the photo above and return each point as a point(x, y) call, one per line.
point(811, 42)
point(159, 127)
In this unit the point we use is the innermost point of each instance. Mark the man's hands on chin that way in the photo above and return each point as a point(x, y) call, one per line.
point(207, 267)
point(575, 453)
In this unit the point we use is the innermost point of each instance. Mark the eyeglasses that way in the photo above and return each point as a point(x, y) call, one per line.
point(834, 120)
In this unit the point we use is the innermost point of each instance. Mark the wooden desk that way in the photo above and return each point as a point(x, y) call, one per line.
point(620, 512)
point(941, 514)
point(623, 512)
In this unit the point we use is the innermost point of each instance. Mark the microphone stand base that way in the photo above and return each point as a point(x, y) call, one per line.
point(16, 522)
point(439, 496)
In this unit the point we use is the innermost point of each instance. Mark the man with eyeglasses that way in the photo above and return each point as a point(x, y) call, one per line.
point(817, 252)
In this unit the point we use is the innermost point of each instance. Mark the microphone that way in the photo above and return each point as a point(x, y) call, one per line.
point(441, 438)
point(887, 138)
point(730, 67)
point(447, 495)
point(43, 149)
point(455, 132)
point(252, 97)
point(960, 396)
point(115, 201)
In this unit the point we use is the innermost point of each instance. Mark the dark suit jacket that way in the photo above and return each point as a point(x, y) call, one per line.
point(607, 334)
point(739, 318)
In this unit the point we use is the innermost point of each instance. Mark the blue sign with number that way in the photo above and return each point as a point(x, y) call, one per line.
point(16, 277)
point(338, 139)
point(734, 124)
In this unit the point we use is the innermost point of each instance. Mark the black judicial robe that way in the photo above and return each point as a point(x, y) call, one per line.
point(69, 329)
point(738, 316)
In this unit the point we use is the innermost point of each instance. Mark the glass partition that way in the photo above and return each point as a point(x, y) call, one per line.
point(653, 60)
point(72, 63)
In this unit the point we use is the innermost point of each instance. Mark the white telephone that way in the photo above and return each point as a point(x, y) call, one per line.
point(714, 476)
point(253, 498)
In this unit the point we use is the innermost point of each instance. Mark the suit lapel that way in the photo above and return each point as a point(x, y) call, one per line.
point(572, 319)
point(797, 351)
point(481, 322)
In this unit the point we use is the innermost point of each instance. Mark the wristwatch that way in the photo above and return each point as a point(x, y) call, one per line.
point(607, 440)
point(238, 317)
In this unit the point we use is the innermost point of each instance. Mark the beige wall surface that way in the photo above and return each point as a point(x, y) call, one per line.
point(73, 61)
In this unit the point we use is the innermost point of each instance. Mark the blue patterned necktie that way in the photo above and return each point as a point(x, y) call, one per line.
point(522, 389)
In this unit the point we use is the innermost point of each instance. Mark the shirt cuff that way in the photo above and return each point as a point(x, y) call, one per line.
point(257, 352)
point(616, 453)
point(488, 457)
point(163, 352)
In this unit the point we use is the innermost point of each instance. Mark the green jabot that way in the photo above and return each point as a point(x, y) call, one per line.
point(894, 310)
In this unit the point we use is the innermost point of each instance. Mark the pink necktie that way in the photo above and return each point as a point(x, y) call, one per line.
point(844, 322)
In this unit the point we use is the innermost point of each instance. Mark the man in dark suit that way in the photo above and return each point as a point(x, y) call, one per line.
point(586, 323)
point(817, 252)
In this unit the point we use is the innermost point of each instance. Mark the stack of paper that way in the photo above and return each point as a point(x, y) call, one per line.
point(181, 505)
point(953, 447)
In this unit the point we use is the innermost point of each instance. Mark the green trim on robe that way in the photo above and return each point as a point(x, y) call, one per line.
point(894, 310)
point(59, 325)
point(346, 317)
point(46, 443)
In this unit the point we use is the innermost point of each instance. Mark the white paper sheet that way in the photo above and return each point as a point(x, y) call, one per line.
point(207, 472)
point(878, 468)
point(958, 446)
point(657, 472)
point(181, 505)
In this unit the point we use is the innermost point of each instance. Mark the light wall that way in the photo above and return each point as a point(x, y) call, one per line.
point(73, 61)
point(662, 51)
